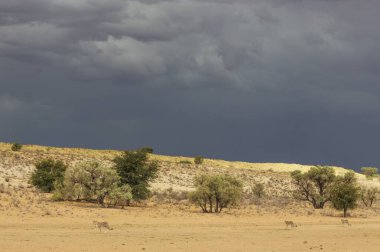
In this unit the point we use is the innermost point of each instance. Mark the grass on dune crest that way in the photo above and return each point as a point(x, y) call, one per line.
point(110, 154)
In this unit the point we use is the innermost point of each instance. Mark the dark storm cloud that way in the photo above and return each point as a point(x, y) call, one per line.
point(289, 80)
point(236, 42)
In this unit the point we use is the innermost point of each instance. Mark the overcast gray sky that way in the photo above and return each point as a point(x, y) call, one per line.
point(266, 81)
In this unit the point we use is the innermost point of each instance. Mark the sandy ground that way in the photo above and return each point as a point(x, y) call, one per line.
point(30, 222)
point(156, 229)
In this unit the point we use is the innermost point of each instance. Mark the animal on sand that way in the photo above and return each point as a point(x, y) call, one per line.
point(345, 222)
point(102, 224)
point(290, 224)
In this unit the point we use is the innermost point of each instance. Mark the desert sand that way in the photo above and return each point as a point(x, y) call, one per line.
point(155, 229)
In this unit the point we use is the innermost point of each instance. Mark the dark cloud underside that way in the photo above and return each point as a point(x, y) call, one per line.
point(268, 81)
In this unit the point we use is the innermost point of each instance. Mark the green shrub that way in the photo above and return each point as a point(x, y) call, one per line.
point(216, 192)
point(137, 171)
point(369, 172)
point(57, 196)
point(147, 149)
point(16, 147)
point(258, 190)
point(120, 196)
point(48, 174)
point(198, 160)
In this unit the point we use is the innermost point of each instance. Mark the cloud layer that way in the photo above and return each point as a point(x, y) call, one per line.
point(289, 80)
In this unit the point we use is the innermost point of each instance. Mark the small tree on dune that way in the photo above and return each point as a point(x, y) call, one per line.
point(89, 180)
point(258, 190)
point(345, 193)
point(314, 185)
point(368, 195)
point(137, 171)
point(215, 192)
point(48, 174)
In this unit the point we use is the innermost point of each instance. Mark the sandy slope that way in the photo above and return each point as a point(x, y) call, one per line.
point(15, 167)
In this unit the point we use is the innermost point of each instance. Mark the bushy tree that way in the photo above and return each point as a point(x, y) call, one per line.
point(90, 181)
point(345, 193)
point(198, 160)
point(16, 147)
point(369, 172)
point(137, 171)
point(215, 192)
point(48, 174)
point(314, 185)
point(258, 190)
point(368, 195)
